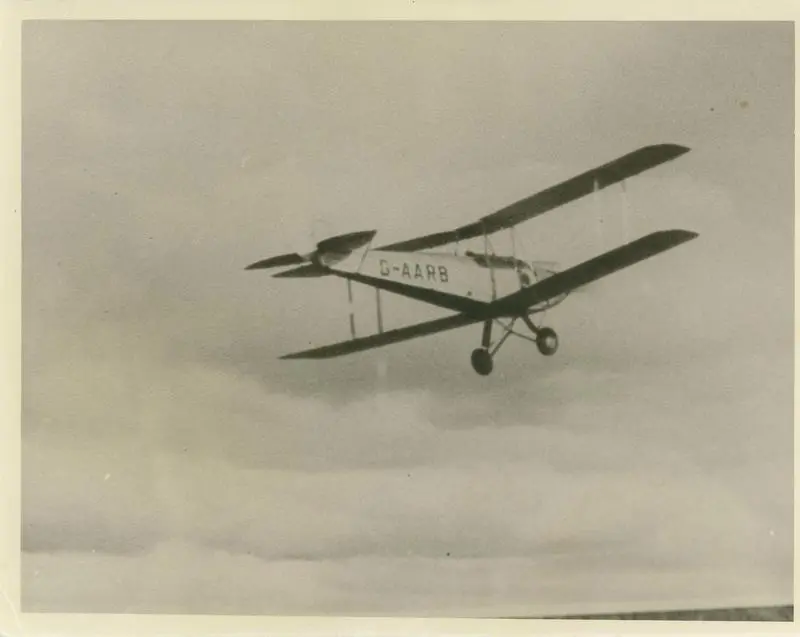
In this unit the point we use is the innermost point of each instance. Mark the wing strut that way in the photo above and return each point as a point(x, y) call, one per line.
point(628, 210)
point(486, 245)
point(352, 310)
point(598, 215)
point(379, 311)
point(513, 243)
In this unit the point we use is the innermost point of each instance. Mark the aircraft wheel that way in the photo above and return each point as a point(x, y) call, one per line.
point(482, 361)
point(547, 341)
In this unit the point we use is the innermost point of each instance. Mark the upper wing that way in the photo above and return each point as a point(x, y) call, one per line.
point(595, 179)
point(386, 338)
point(591, 270)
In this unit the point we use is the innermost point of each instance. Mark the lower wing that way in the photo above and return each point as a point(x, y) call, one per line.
point(386, 338)
point(517, 303)
point(591, 270)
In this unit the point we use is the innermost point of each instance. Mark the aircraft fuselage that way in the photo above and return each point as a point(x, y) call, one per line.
point(470, 276)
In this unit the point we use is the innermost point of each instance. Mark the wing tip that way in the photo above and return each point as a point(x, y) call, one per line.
point(666, 151)
point(684, 235)
point(667, 239)
point(676, 148)
point(304, 355)
point(675, 232)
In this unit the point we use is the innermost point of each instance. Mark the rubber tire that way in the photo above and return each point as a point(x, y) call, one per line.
point(482, 361)
point(547, 341)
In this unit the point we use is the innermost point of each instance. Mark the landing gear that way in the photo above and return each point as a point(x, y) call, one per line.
point(547, 341)
point(482, 358)
point(482, 361)
point(546, 338)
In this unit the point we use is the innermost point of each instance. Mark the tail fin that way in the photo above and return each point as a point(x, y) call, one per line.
point(334, 249)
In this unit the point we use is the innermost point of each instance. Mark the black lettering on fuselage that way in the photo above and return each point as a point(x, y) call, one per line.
point(435, 274)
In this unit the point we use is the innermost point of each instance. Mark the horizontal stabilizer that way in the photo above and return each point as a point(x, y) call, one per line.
point(277, 262)
point(303, 272)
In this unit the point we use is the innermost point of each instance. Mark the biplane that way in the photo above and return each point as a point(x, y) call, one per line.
point(478, 287)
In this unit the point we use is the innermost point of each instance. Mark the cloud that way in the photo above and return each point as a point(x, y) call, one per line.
point(196, 580)
point(334, 537)
point(248, 470)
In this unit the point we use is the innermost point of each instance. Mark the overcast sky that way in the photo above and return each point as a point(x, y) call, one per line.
point(172, 464)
